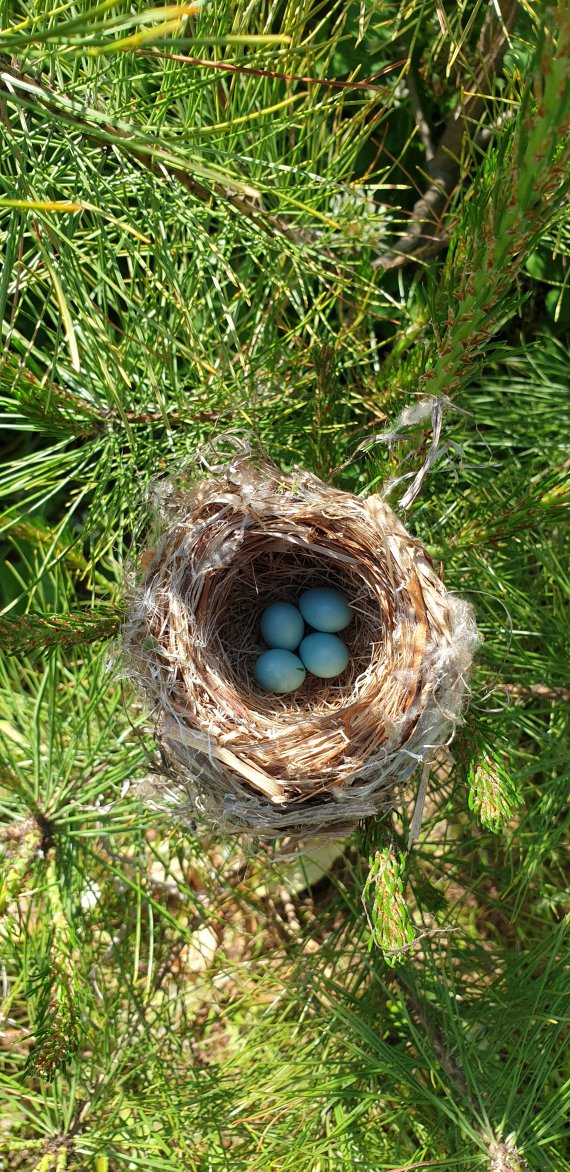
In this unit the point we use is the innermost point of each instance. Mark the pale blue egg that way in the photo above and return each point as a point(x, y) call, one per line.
point(325, 609)
point(324, 655)
point(282, 626)
point(279, 671)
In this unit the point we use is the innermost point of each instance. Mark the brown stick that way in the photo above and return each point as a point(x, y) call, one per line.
point(246, 201)
point(540, 691)
point(368, 83)
point(424, 235)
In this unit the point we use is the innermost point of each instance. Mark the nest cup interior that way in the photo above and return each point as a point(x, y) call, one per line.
point(280, 573)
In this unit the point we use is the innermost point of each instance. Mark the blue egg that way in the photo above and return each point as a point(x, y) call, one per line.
point(325, 609)
point(282, 626)
point(324, 655)
point(279, 671)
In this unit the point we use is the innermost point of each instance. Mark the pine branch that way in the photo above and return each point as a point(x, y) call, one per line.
point(506, 1158)
point(23, 634)
point(57, 1025)
point(206, 985)
point(536, 691)
point(202, 182)
point(22, 841)
point(521, 198)
point(389, 919)
point(425, 234)
point(492, 794)
point(205, 183)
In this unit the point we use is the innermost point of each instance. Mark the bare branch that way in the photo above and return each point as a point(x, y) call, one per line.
point(425, 235)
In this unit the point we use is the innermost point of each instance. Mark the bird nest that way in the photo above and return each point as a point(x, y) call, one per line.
point(241, 536)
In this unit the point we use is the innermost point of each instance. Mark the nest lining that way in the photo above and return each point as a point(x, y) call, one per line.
point(321, 758)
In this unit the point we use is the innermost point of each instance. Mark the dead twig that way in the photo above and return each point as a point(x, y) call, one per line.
point(538, 691)
point(425, 235)
point(424, 128)
point(238, 194)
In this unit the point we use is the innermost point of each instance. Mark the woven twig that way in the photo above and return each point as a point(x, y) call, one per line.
point(319, 759)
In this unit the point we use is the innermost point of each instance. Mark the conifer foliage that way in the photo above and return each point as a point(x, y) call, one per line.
point(341, 229)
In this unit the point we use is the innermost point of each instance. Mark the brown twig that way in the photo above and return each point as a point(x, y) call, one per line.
point(44, 95)
point(243, 198)
point(424, 128)
point(367, 83)
point(426, 1019)
point(424, 235)
point(538, 691)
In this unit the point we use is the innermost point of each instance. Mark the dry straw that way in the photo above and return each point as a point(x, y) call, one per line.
point(236, 538)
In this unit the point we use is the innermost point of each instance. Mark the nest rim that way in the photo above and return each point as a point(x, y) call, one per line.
point(333, 751)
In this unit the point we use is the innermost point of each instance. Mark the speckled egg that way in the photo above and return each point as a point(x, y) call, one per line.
point(324, 655)
point(279, 671)
point(325, 609)
point(282, 626)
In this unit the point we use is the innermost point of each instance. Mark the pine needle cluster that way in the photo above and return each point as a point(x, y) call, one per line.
point(294, 220)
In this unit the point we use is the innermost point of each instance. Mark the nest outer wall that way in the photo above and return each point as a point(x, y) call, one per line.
point(316, 761)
